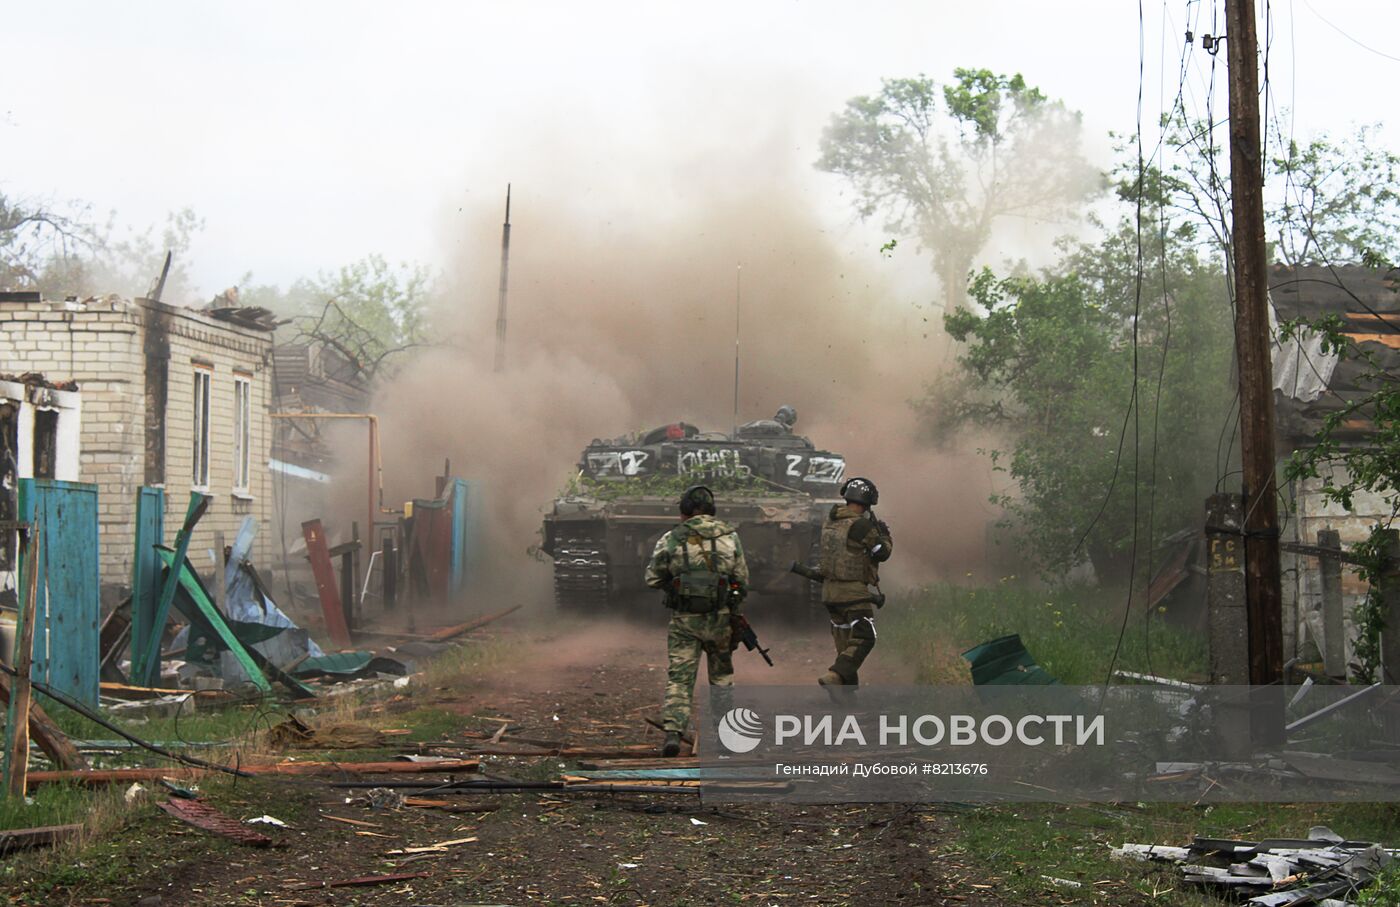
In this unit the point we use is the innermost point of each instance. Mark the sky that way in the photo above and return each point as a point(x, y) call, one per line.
point(308, 134)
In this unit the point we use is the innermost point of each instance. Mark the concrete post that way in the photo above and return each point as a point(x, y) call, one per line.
point(1334, 642)
point(1225, 593)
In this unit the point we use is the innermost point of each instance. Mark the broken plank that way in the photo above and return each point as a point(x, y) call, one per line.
point(360, 822)
point(357, 882)
point(126, 775)
point(145, 653)
point(13, 839)
point(440, 847)
point(446, 633)
point(17, 714)
point(324, 573)
point(51, 740)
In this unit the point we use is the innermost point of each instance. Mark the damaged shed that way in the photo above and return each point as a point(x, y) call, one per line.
point(1309, 386)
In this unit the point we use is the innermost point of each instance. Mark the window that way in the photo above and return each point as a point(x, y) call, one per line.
point(242, 420)
point(203, 376)
point(45, 443)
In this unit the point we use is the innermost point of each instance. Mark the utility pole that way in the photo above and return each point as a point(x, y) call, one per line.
point(501, 293)
point(738, 297)
point(1263, 592)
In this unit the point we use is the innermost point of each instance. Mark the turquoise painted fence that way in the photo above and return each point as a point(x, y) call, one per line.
point(68, 607)
point(464, 510)
point(146, 572)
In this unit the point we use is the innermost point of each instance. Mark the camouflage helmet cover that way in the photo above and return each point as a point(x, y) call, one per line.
point(860, 491)
point(697, 499)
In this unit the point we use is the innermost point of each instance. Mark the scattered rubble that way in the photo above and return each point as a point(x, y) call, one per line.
point(1319, 869)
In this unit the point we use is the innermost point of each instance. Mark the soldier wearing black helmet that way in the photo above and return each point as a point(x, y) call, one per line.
point(700, 565)
point(853, 545)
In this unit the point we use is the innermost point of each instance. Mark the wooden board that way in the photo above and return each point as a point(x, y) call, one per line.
point(12, 839)
point(326, 589)
point(51, 740)
point(17, 715)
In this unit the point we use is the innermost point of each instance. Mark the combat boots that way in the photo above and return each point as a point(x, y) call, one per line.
point(672, 746)
point(830, 679)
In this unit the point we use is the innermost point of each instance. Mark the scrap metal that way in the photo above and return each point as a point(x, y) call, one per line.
point(201, 815)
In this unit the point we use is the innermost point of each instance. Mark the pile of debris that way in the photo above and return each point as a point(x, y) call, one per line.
point(1322, 868)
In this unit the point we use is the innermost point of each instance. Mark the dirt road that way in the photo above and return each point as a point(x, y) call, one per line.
point(584, 684)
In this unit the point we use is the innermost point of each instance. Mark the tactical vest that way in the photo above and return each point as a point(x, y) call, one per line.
point(839, 560)
point(697, 588)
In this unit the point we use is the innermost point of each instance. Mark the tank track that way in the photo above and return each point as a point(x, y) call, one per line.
point(580, 572)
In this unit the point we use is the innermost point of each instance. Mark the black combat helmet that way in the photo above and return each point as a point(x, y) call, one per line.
point(860, 491)
point(698, 499)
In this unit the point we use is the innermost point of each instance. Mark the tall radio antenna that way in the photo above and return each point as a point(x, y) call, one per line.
point(738, 298)
point(501, 294)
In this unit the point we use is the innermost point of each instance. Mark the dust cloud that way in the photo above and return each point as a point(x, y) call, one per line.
point(620, 324)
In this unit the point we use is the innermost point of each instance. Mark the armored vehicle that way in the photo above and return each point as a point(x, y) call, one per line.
point(773, 485)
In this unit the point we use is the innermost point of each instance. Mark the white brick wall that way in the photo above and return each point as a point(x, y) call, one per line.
point(100, 345)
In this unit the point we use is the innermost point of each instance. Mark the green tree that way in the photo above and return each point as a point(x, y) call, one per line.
point(111, 259)
point(1105, 389)
point(943, 167)
point(1327, 200)
point(36, 235)
point(1340, 201)
point(369, 311)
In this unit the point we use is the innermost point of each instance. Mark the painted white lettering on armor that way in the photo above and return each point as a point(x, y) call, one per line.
point(825, 470)
point(707, 461)
point(618, 462)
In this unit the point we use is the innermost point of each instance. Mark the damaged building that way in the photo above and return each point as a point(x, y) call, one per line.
point(124, 393)
point(1309, 386)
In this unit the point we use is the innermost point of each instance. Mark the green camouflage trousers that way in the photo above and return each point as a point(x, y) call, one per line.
point(688, 636)
point(853, 632)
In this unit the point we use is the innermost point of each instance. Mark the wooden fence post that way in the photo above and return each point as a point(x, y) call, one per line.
point(17, 719)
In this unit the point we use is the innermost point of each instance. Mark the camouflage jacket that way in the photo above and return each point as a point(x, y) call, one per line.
point(703, 542)
point(852, 547)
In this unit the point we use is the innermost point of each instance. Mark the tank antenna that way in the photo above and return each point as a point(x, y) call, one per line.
point(501, 293)
point(738, 297)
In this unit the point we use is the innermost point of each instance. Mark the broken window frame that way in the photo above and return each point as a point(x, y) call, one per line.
point(242, 433)
point(203, 396)
point(45, 435)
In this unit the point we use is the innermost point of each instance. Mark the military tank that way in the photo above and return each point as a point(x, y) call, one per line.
point(775, 486)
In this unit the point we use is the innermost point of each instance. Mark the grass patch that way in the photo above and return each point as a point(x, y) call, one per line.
point(1070, 631)
point(463, 662)
point(1021, 845)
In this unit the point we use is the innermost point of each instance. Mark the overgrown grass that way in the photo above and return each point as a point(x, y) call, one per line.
point(1070, 631)
point(1024, 843)
point(228, 734)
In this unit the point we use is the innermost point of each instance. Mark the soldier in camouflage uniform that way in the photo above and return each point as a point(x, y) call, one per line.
point(700, 564)
point(853, 544)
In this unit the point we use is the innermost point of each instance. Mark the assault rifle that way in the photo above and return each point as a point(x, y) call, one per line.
point(739, 625)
